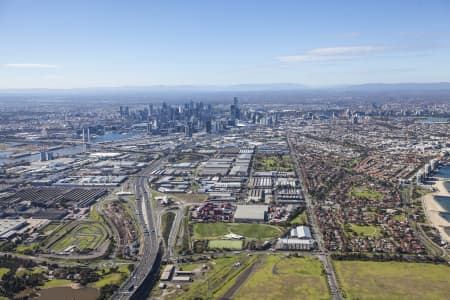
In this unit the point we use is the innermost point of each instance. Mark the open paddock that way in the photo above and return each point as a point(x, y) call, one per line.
point(393, 280)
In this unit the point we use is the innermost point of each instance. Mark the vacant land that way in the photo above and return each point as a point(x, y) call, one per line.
point(281, 163)
point(369, 231)
point(249, 231)
point(280, 277)
point(393, 280)
point(225, 244)
point(364, 192)
point(189, 198)
point(50, 227)
point(166, 224)
point(191, 266)
point(221, 271)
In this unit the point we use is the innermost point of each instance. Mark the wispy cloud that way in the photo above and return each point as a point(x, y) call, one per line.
point(348, 35)
point(333, 53)
point(32, 66)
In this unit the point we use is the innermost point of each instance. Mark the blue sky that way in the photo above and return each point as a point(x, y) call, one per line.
point(65, 44)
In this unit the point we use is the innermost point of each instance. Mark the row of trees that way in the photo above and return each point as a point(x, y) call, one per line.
point(387, 257)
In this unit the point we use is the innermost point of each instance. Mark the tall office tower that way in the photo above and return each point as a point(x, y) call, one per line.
point(188, 128)
point(43, 155)
point(149, 127)
point(236, 102)
point(150, 109)
point(208, 125)
point(124, 111)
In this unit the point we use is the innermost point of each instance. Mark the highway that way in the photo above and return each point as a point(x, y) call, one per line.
point(323, 256)
point(151, 239)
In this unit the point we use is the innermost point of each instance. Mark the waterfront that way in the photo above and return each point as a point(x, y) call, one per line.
point(444, 172)
point(114, 136)
point(5, 156)
point(437, 207)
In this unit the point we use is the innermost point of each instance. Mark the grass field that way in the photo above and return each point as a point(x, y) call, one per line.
point(364, 192)
point(35, 270)
point(3, 271)
point(393, 280)
point(83, 235)
point(280, 277)
point(400, 218)
point(55, 283)
point(210, 230)
point(24, 249)
point(301, 219)
point(166, 224)
point(250, 231)
point(94, 215)
point(190, 267)
point(113, 278)
point(50, 227)
point(273, 163)
point(225, 244)
point(369, 231)
point(221, 271)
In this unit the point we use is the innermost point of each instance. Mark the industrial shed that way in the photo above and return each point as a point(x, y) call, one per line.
point(251, 213)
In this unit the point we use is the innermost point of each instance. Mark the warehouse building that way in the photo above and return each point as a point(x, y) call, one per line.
point(295, 244)
point(301, 232)
point(167, 273)
point(300, 238)
point(9, 227)
point(251, 213)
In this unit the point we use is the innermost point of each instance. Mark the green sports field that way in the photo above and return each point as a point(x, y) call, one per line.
point(364, 192)
point(393, 280)
point(225, 244)
point(369, 231)
point(250, 231)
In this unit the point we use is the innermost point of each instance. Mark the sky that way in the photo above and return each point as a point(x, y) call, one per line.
point(71, 44)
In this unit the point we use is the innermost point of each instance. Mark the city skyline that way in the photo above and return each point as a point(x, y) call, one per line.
point(49, 44)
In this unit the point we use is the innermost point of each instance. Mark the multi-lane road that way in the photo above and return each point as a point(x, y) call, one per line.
point(323, 255)
point(151, 239)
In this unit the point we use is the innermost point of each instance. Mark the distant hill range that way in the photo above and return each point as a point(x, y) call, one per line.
point(439, 86)
point(370, 87)
point(249, 93)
